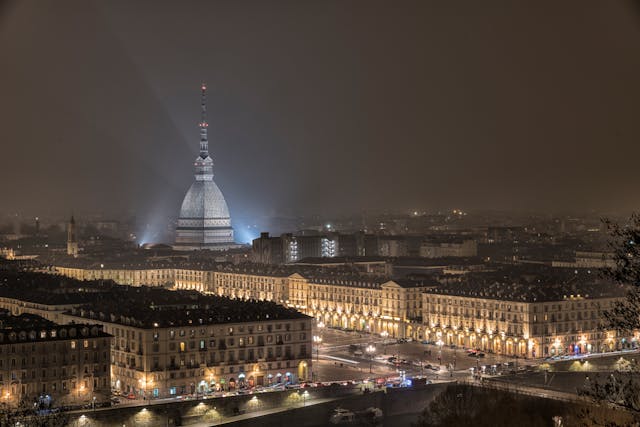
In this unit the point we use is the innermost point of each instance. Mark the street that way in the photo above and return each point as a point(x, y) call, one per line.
point(343, 356)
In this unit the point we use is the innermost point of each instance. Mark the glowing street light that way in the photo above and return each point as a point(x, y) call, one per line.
point(370, 351)
point(317, 339)
point(384, 335)
point(145, 383)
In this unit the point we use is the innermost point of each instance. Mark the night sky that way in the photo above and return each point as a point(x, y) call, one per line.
point(322, 107)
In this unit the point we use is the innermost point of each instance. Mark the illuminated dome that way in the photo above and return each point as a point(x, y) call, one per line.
point(204, 221)
point(204, 200)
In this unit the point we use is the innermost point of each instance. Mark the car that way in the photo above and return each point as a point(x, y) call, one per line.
point(472, 354)
point(480, 354)
point(358, 353)
point(115, 400)
point(391, 359)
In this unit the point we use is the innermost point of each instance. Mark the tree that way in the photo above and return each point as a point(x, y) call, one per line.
point(622, 388)
point(625, 244)
point(464, 406)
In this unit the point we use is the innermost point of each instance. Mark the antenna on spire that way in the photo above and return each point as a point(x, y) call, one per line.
point(204, 141)
point(203, 104)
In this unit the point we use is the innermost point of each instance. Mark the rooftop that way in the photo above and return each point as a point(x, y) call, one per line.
point(528, 284)
point(144, 306)
point(31, 328)
point(341, 260)
point(49, 289)
point(23, 321)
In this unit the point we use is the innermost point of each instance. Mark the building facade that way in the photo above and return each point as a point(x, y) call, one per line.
point(569, 324)
point(366, 303)
point(160, 361)
point(530, 323)
point(53, 364)
point(450, 248)
point(168, 343)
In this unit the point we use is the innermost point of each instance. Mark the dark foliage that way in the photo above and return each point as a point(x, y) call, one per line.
point(625, 245)
point(622, 389)
point(461, 405)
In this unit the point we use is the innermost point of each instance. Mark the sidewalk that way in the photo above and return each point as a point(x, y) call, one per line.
point(232, 419)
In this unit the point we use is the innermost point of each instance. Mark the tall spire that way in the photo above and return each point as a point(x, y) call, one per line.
point(204, 141)
point(204, 163)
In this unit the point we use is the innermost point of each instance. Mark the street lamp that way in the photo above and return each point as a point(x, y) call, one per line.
point(320, 327)
point(370, 350)
point(440, 343)
point(304, 397)
point(317, 339)
point(145, 383)
point(79, 390)
point(384, 335)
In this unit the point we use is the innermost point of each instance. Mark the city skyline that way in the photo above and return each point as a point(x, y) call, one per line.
point(276, 212)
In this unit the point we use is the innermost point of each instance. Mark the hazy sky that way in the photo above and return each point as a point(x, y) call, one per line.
point(320, 106)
